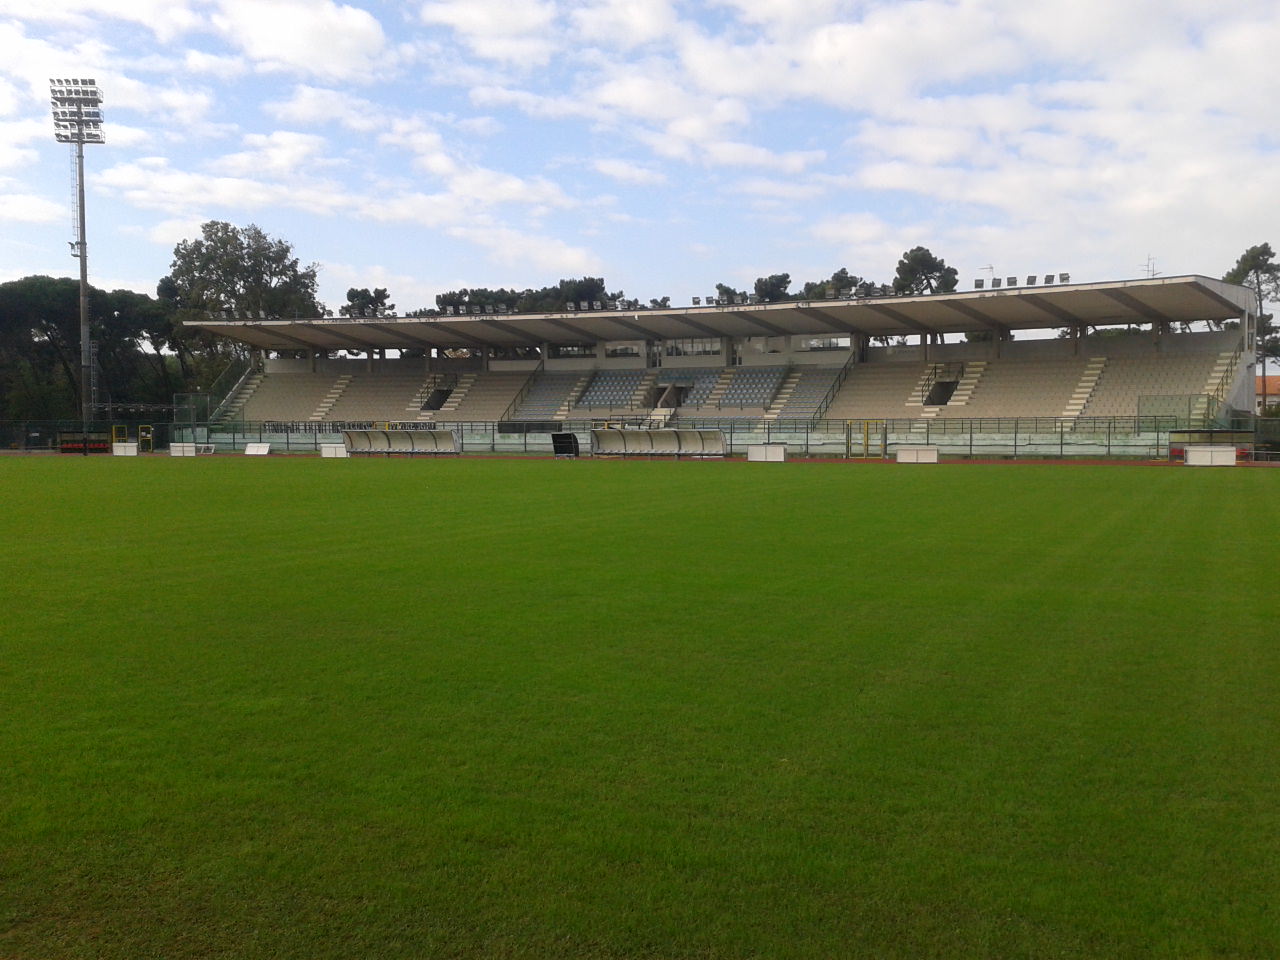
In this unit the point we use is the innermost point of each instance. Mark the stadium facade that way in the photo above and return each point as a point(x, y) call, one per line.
point(1140, 355)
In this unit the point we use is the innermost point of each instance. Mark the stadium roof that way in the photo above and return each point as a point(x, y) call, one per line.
point(1172, 299)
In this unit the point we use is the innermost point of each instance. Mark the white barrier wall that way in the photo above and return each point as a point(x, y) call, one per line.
point(1211, 455)
point(918, 454)
point(767, 452)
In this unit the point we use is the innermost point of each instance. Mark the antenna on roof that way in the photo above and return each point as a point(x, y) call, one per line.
point(1149, 268)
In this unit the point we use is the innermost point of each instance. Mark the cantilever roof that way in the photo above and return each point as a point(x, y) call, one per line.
point(1176, 299)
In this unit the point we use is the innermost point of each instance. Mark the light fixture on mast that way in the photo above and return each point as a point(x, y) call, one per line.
point(77, 119)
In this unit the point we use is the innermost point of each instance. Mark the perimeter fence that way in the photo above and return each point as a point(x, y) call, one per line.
point(1118, 437)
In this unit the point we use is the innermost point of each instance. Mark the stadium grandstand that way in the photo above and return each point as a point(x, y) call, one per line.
point(1065, 362)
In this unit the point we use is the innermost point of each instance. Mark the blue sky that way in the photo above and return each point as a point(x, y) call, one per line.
point(666, 146)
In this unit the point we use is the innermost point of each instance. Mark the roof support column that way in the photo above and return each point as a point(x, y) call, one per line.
point(313, 355)
point(924, 346)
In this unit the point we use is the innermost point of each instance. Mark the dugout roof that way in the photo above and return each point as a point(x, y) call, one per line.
point(1160, 299)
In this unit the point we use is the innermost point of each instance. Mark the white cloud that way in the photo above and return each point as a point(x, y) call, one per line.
point(319, 105)
point(168, 233)
point(217, 65)
point(515, 33)
point(165, 18)
point(279, 154)
point(625, 23)
point(730, 153)
point(151, 184)
point(627, 172)
point(14, 137)
point(314, 37)
point(511, 247)
point(27, 208)
point(779, 189)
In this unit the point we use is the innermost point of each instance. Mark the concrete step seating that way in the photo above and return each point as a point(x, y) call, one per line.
point(482, 396)
point(801, 393)
point(378, 397)
point(612, 389)
point(751, 386)
point(548, 395)
point(1127, 378)
point(288, 396)
point(1001, 388)
point(878, 391)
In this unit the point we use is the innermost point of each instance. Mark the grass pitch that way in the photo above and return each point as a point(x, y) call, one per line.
point(321, 709)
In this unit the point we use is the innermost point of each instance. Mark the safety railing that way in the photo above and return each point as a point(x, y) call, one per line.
point(830, 395)
point(510, 412)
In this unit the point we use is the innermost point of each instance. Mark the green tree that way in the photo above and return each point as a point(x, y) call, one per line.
point(726, 292)
point(840, 283)
point(40, 348)
point(244, 270)
point(364, 302)
point(919, 271)
point(1257, 269)
point(773, 288)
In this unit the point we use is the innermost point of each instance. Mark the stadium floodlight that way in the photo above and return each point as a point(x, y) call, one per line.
point(1010, 281)
point(572, 306)
point(1031, 281)
point(77, 119)
point(979, 284)
point(1064, 278)
point(697, 301)
point(595, 305)
point(995, 282)
point(1048, 278)
point(488, 308)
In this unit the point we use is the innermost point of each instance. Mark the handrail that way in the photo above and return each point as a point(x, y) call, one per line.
point(1228, 375)
point(250, 366)
point(509, 413)
point(830, 395)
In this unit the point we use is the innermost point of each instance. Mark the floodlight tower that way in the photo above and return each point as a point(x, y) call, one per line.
point(77, 119)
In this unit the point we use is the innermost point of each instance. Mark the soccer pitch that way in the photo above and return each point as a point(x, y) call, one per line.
point(303, 708)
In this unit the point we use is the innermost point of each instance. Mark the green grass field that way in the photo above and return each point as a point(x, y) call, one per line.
point(294, 708)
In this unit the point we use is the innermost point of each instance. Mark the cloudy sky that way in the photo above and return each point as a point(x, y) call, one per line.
point(664, 145)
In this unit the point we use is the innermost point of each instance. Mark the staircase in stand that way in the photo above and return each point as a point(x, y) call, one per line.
point(232, 409)
point(459, 393)
point(566, 406)
point(973, 371)
point(785, 389)
point(1084, 389)
point(721, 385)
point(920, 392)
point(331, 397)
point(434, 382)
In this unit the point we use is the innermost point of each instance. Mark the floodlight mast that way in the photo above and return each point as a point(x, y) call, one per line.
point(77, 119)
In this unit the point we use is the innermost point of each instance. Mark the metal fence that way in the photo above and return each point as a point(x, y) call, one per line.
point(1120, 437)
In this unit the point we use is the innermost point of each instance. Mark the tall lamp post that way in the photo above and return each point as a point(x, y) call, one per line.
point(77, 119)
